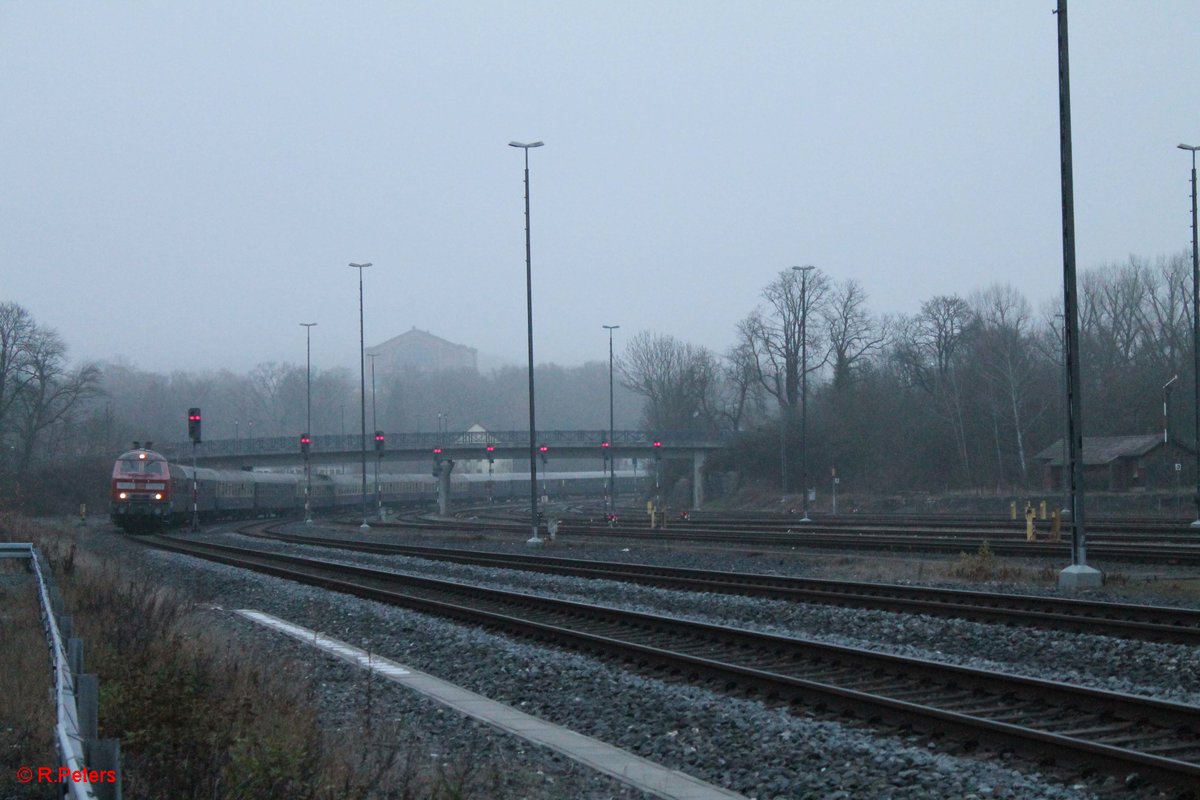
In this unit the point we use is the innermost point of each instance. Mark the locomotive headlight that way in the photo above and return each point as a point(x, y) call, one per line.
point(158, 495)
point(123, 496)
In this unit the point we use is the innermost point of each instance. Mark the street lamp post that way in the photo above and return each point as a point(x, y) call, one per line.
point(375, 427)
point(807, 268)
point(1166, 391)
point(612, 461)
point(1066, 421)
point(362, 391)
point(308, 326)
point(1078, 575)
point(1195, 327)
point(533, 501)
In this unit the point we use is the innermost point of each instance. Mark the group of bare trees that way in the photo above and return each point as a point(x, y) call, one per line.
point(961, 395)
point(40, 398)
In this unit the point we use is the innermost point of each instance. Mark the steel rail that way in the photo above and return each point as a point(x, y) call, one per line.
point(1124, 620)
point(915, 541)
point(1106, 730)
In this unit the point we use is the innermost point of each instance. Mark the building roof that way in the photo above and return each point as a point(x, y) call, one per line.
point(424, 352)
point(1100, 450)
point(417, 335)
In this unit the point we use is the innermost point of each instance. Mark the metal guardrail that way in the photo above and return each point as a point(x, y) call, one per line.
point(76, 694)
point(427, 441)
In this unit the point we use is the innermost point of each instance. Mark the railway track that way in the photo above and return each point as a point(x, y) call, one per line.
point(1125, 620)
point(1181, 550)
point(1067, 724)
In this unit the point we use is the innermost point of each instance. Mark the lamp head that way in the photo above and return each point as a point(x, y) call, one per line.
point(361, 266)
point(524, 145)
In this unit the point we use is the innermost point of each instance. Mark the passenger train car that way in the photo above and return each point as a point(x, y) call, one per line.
point(148, 492)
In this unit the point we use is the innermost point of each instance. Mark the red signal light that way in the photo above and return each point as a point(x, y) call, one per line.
point(437, 451)
point(194, 425)
point(604, 444)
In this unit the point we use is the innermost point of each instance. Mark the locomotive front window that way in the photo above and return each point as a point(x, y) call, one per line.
point(133, 466)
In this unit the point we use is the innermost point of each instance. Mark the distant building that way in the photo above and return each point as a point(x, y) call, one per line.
point(421, 351)
point(1123, 463)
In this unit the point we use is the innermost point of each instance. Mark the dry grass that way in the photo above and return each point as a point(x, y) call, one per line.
point(26, 708)
point(983, 566)
point(201, 716)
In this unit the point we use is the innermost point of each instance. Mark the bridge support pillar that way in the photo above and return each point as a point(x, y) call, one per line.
point(699, 457)
point(445, 467)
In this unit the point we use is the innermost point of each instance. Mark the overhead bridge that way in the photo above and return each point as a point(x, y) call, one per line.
point(415, 448)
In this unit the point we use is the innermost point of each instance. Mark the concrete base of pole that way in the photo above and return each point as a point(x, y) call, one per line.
point(308, 521)
point(364, 527)
point(535, 541)
point(1078, 576)
point(1195, 524)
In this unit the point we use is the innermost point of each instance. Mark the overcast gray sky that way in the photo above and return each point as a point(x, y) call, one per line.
point(186, 182)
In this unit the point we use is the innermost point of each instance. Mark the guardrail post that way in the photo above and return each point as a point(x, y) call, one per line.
point(104, 755)
point(75, 655)
point(87, 701)
point(56, 601)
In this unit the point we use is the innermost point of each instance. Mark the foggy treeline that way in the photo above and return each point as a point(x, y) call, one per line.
point(960, 395)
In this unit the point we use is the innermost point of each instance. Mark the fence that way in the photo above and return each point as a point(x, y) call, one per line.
point(76, 695)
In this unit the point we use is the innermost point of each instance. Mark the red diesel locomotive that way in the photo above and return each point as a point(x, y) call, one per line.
point(143, 494)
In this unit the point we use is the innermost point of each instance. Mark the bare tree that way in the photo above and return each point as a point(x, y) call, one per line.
point(1169, 314)
point(853, 335)
point(928, 354)
point(1113, 320)
point(16, 326)
point(778, 335)
point(274, 391)
point(47, 394)
point(1004, 358)
point(743, 394)
point(678, 380)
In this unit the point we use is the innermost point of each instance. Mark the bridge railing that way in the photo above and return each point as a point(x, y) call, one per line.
point(335, 443)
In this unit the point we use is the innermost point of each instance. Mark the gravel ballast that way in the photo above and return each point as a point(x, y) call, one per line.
point(739, 744)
